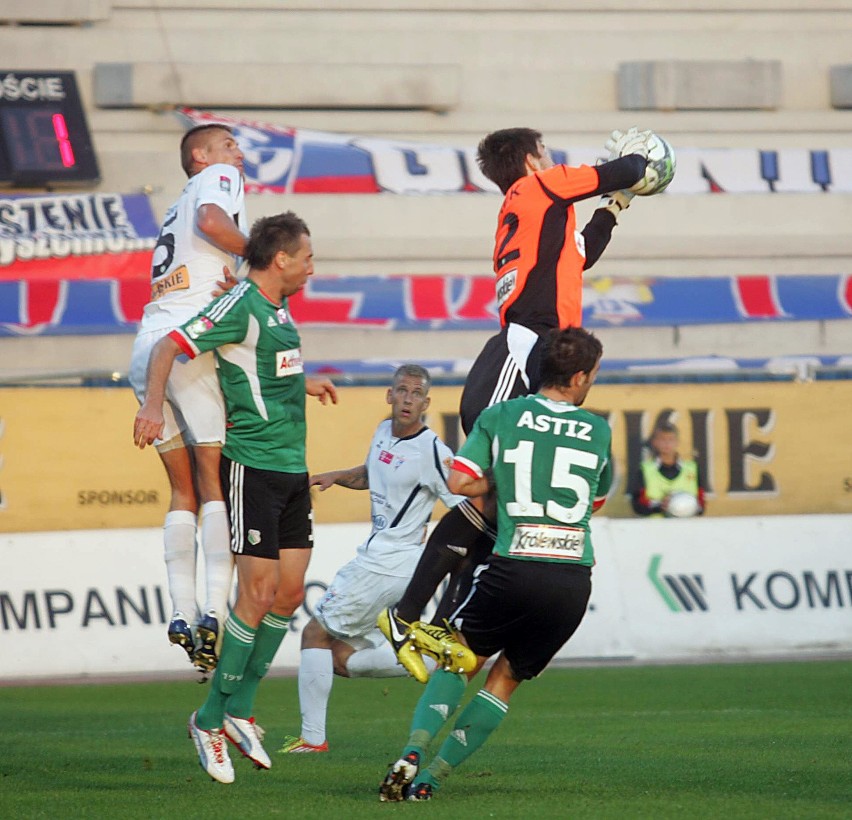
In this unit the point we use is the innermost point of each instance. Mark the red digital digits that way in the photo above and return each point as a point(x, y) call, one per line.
point(65, 149)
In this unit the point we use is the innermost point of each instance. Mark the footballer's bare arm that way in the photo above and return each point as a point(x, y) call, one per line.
point(355, 478)
point(463, 482)
point(149, 422)
point(220, 229)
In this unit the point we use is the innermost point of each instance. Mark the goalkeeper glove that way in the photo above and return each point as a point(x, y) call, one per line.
point(616, 202)
point(632, 141)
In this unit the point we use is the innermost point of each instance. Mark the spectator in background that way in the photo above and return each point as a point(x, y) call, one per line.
point(664, 474)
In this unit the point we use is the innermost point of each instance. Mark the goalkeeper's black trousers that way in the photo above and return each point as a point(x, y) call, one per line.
point(461, 541)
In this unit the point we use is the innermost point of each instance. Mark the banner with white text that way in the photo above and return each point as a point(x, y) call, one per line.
point(77, 263)
point(283, 159)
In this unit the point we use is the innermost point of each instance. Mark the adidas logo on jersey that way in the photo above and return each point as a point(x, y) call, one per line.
point(281, 318)
point(460, 736)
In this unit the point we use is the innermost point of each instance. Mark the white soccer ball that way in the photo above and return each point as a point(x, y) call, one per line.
point(660, 170)
point(682, 505)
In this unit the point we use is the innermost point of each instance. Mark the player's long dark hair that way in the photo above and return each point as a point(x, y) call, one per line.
point(502, 155)
point(569, 351)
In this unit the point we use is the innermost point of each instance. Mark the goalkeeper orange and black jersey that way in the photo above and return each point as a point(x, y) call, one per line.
point(539, 255)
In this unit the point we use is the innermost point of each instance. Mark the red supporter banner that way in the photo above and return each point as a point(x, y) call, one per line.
point(74, 263)
point(119, 266)
point(447, 301)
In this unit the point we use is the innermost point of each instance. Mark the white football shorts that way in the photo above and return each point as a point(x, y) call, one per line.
point(194, 407)
point(353, 601)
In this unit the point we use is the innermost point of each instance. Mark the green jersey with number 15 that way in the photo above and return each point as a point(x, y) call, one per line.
point(551, 465)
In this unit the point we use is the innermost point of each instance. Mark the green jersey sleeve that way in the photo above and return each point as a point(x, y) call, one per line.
point(223, 321)
point(605, 480)
point(475, 455)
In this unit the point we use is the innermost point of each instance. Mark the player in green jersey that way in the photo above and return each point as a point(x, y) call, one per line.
point(550, 464)
point(263, 471)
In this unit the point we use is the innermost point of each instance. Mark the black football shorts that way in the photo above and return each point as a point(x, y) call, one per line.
point(269, 511)
point(507, 367)
point(526, 609)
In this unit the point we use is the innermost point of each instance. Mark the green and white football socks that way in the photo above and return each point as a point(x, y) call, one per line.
point(268, 638)
point(473, 727)
point(237, 646)
point(437, 704)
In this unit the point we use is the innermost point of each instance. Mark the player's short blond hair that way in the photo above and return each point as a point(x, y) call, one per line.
point(414, 371)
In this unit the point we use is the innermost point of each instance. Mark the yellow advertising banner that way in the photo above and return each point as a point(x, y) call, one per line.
point(67, 459)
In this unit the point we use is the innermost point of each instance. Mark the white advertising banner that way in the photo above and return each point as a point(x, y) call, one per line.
point(95, 602)
point(723, 587)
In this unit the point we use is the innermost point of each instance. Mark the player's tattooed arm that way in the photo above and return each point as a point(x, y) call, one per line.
point(355, 478)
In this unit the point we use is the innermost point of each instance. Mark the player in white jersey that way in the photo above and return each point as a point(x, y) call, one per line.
point(405, 472)
point(198, 251)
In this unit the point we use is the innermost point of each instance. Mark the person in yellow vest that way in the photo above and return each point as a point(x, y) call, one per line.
point(664, 475)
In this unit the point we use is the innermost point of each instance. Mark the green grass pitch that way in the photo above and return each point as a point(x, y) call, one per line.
point(769, 740)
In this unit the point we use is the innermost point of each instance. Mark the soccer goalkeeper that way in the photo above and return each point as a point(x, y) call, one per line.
point(539, 261)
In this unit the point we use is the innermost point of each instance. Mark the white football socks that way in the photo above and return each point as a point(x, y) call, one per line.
point(316, 675)
point(218, 559)
point(380, 662)
point(179, 552)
